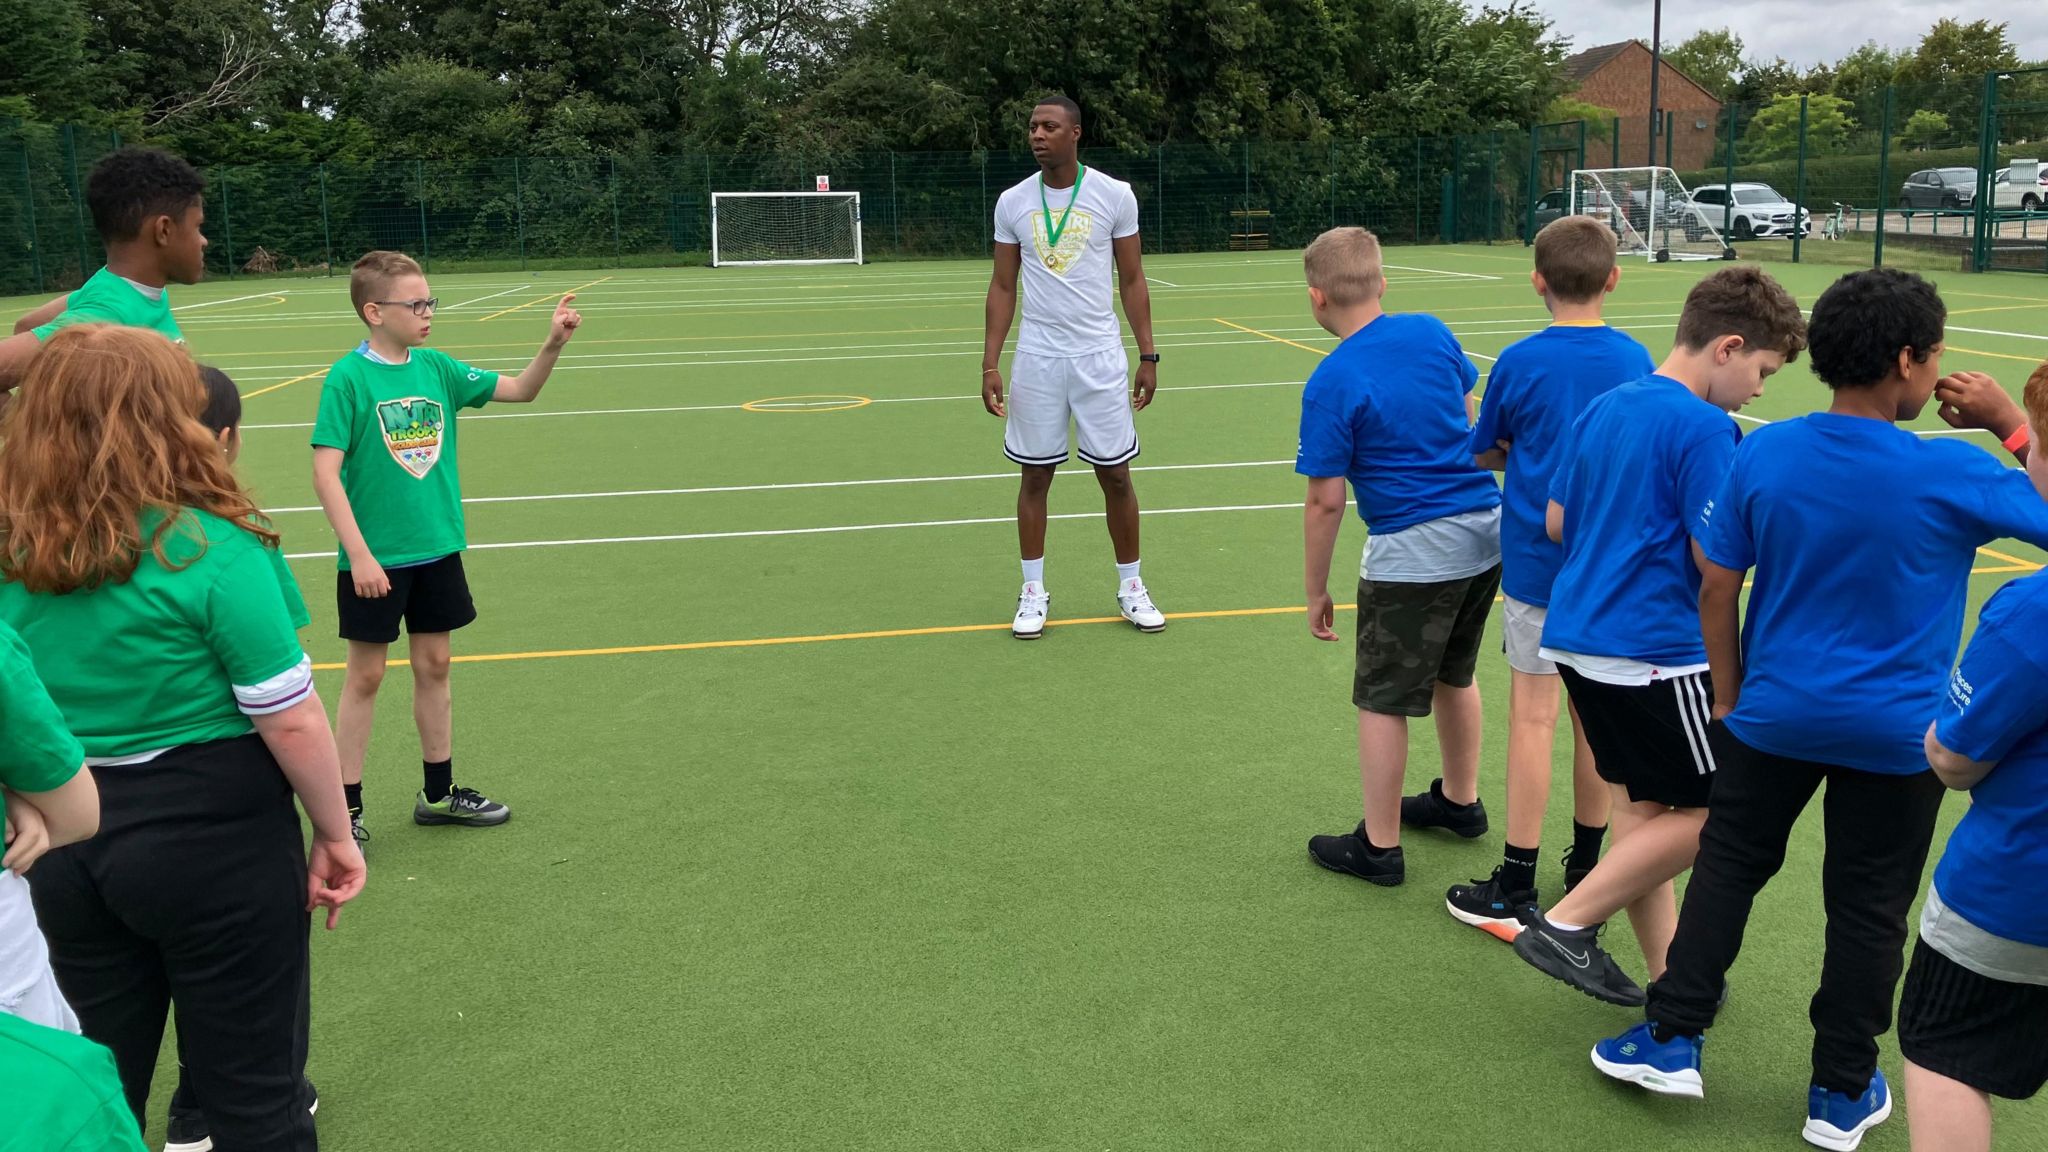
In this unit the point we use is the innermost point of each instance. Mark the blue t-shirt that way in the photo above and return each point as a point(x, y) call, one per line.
point(1386, 410)
point(1640, 465)
point(1862, 537)
point(1538, 387)
point(1997, 710)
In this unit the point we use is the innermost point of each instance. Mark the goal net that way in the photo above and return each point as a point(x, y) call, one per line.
point(1651, 213)
point(785, 228)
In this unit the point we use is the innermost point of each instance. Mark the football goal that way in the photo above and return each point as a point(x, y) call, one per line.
point(1651, 213)
point(785, 228)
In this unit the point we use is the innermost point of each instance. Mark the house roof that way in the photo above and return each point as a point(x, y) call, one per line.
point(1581, 66)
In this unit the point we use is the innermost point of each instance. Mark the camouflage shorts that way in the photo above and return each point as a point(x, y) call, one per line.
point(1412, 636)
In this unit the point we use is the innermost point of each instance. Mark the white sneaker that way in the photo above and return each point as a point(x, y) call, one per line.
point(1031, 607)
point(1136, 604)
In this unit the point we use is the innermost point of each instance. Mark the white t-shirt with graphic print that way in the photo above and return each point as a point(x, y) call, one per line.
point(1067, 308)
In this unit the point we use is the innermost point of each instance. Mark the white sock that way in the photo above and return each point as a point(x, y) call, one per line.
point(1125, 573)
point(1034, 571)
point(1562, 926)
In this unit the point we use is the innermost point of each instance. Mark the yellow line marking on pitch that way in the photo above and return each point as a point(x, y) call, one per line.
point(2025, 565)
point(780, 641)
point(1270, 336)
point(2001, 308)
point(1993, 355)
point(544, 299)
point(275, 387)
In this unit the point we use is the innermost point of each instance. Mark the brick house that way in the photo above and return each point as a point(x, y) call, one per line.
point(1617, 76)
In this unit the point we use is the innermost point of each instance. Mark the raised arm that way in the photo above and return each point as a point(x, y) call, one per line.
point(1136, 294)
point(525, 386)
point(1000, 310)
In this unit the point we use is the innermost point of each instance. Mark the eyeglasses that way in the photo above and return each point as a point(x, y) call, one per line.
point(420, 308)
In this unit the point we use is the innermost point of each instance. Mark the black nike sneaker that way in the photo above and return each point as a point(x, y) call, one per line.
point(1487, 906)
point(1576, 958)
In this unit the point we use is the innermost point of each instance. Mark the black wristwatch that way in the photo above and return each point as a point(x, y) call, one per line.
point(1148, 358)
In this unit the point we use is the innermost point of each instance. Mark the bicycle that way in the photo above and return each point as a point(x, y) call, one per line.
point(1832, 227)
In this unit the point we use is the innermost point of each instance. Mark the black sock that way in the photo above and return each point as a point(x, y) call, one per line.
point(1518, 869)
point(439, 779)
point(1438, 788)
point(1586, 843)
point(353, 793)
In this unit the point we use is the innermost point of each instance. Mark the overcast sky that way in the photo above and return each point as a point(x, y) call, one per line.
point(1802, 31)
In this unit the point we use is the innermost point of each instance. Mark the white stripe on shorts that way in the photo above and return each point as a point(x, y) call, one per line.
point(1693, 716)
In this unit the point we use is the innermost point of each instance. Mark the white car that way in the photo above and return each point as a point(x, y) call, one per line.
point(2020, 194)
point(1758, 211)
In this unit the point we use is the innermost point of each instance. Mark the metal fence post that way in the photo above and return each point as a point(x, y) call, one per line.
point(227, 222)
point(326, 230)
point(419, 168)
point(1333, 183)
point(1987, 160)
point(1535, 178)
point(28, 197)
point(1492, 183)
point(519, 211)
point(1884, 179)
point(1614, 131)
point(1728, 181)
point(1159, 191)
point(895, 210)
point(1799, 185)
point(77, 202)
point(618, 249)
point(1582, 146)
point(1418, 190)
point(1670, 125)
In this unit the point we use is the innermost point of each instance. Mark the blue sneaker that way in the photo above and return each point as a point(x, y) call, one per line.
point(1838, 1120)
point(1671, 1068)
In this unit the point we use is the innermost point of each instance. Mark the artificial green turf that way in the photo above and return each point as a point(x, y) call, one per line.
point(946, 891)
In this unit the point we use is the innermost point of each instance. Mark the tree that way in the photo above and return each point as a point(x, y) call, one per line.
point(1861, 78)
point(1712, 57)
point(1946, 72)
point(1925, 129)
point(1773, 134)
point(45, 42)
point(1765, 80)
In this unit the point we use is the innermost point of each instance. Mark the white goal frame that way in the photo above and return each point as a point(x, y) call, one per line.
point(1645, 230)
point(852, 199)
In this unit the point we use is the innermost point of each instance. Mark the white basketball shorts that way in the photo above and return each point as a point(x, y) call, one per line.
point(1093, 392)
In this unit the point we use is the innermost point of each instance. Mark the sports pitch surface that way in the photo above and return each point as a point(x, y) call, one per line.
point(807, 851)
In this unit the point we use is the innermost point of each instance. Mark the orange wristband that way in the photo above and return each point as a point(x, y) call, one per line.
point(2019, 440)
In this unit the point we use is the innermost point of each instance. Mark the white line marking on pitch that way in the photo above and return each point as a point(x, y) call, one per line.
point(806, 485)
point(836, 528)
point(492, 296)
point(231, 300)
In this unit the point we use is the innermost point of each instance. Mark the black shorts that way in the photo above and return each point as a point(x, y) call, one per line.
point(1412, 637)
point(1989, 1034)
point(430, 597)
point(1657, 740)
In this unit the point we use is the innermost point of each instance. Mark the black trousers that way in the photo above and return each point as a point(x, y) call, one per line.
point(193, 894)
point(1878, 830)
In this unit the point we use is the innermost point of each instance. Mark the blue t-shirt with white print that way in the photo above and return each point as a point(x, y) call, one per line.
point(1861, 537)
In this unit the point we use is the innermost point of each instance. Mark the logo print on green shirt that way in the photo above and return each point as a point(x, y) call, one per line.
point(412, 430)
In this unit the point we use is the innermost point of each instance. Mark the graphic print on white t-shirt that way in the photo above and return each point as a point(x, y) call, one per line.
point(1068, 309)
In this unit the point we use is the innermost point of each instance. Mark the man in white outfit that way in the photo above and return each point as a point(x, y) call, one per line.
point(1066, 227)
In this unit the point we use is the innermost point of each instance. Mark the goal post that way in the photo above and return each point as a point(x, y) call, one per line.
point(755, 228)
point(1652, 214)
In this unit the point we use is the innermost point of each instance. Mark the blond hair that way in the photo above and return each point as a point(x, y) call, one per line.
point(1575, 256)
point(374, 273)
point(1344, 265)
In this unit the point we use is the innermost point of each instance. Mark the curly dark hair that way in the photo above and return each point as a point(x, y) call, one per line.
point(1863, 320)
point(132, 185)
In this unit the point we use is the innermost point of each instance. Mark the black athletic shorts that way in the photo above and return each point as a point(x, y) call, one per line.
point(430, 597)
point(1989, 1034)
point(1655, 739)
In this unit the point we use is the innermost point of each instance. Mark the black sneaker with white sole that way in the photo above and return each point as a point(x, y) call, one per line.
point(188, 1130)
point(1576, 958)
point(1431, 810)
point(1351, 854)
point(1491, 908)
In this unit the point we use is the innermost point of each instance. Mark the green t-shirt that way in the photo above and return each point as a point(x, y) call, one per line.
point(110, 299)
point(177, 654)
point(37, 752)
point(60, 1093)
point(395, 423)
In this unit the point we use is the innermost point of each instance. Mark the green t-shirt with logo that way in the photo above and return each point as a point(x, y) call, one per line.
point(180, 653)
point(395, 424)
point(37, 752)
point(60, 1093)
point(111, 299)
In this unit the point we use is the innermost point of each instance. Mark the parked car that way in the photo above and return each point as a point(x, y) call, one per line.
point(1758, 211)
point(1952, 189)
point(2008, 193)
point(1558, 202)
